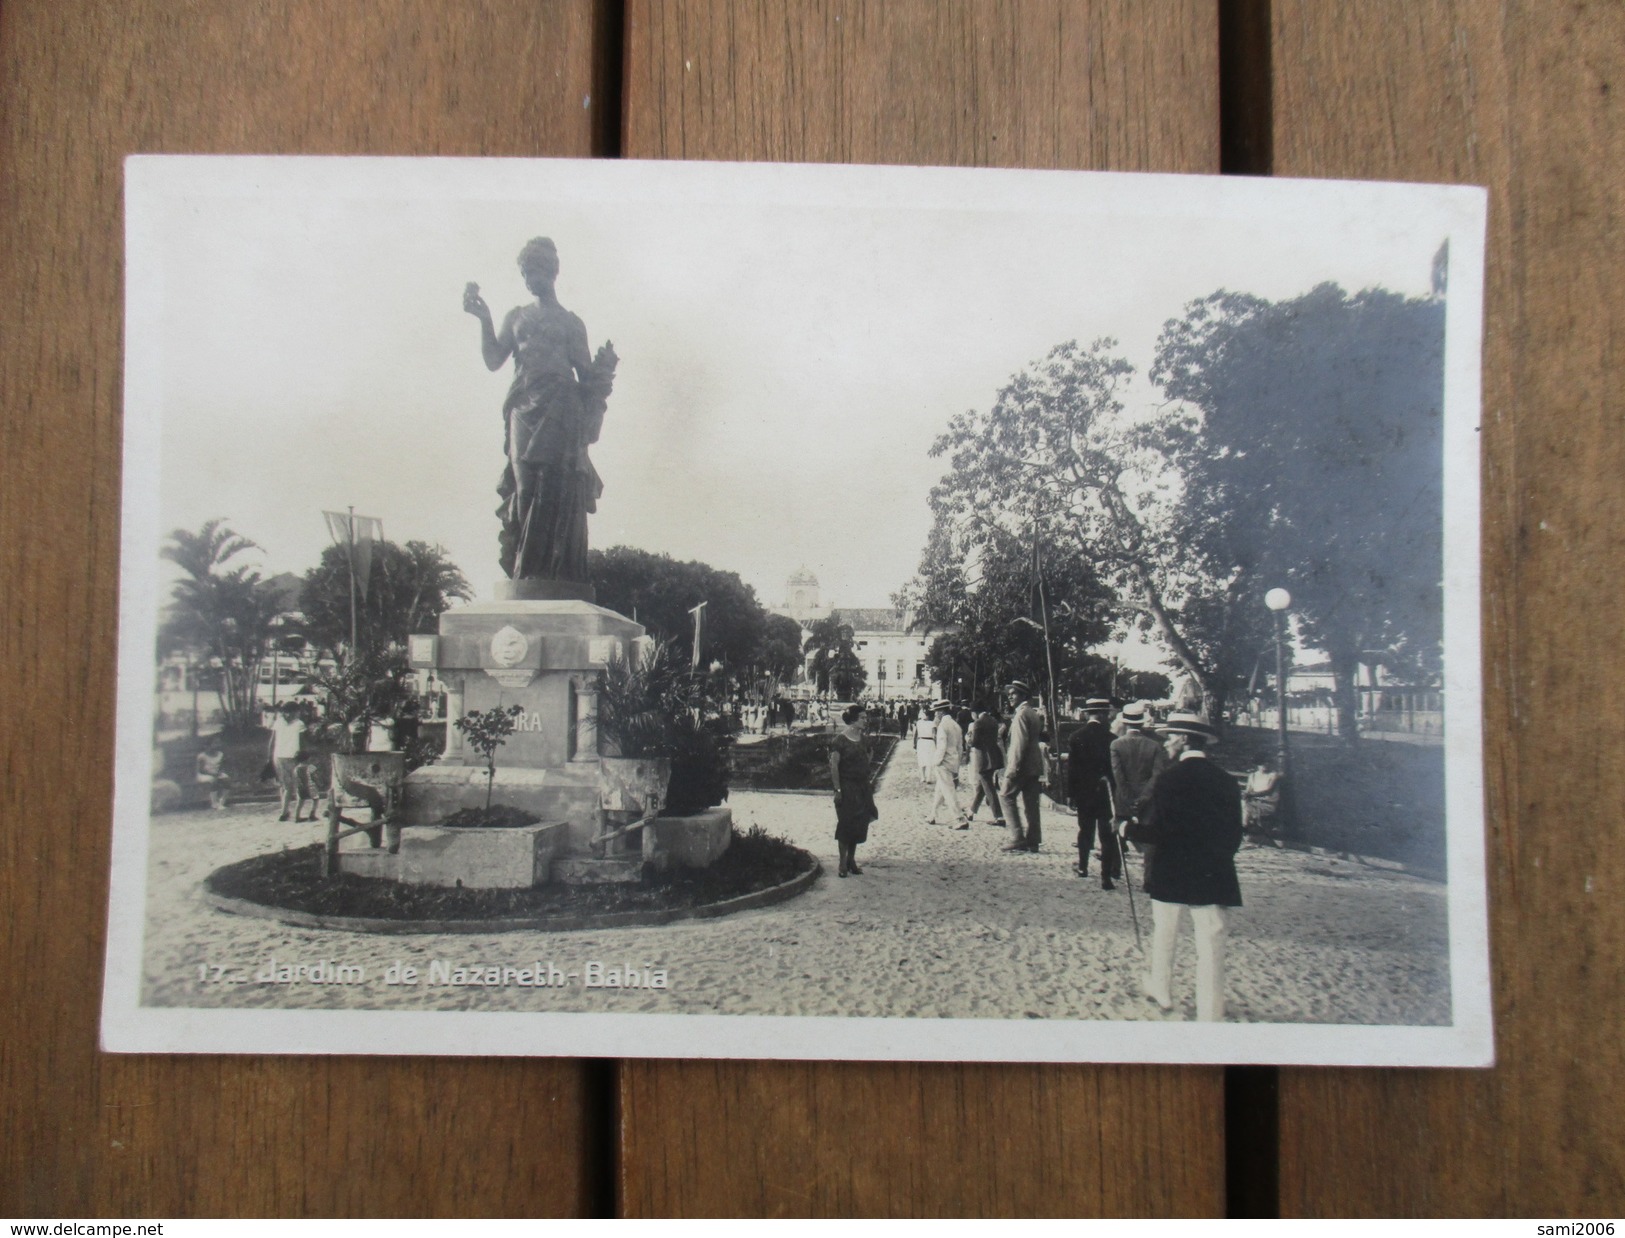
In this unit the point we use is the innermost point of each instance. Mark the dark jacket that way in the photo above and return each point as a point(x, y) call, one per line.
point(1089, 769)
point(984, 738)
point(1193, 824)
point(1136, 760)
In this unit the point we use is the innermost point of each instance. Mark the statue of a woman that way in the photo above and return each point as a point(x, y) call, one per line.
point(554, 410)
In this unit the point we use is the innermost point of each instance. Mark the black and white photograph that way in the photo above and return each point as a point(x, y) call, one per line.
point(633, 609)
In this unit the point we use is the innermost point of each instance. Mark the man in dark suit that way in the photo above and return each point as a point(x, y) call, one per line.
point(986, 763)
point(1193, 823)
point(1023, 771)
point(1088, 783)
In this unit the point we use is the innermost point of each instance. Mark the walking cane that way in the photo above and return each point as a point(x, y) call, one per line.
point(1122, 858)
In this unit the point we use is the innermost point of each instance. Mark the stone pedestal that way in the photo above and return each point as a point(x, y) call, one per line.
point(544, 653)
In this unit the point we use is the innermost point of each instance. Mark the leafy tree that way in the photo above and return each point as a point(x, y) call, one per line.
point(1098, 676)
point(1143, 685)
point(359, 691)
point(979, 575)
point(847, 678)
point(408, 589)
point(832, 660)
point(1318, 466)
point(1058, 452)
point(659, 591)
point(778, 655)
point(487, 731)
point(222, 611)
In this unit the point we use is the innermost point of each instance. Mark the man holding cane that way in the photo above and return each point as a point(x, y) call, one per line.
point(1089, 786)
point(1193, 823)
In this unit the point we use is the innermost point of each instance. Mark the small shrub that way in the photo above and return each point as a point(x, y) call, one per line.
point(487, 731)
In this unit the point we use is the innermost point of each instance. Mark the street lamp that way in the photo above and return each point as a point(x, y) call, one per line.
point(1278, 600)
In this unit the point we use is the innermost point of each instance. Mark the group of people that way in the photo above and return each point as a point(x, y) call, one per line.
point(289, 758)
point(1132, 779)
point(1154, 786)
point(1008, 760)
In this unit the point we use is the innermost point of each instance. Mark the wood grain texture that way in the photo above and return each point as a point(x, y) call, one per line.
point(82, 84)
point(1047, 85)
point(1523, 98)
point(1036, 84)
point(910, 1140)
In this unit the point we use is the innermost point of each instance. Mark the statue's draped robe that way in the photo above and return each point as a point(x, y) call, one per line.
point(550, 417)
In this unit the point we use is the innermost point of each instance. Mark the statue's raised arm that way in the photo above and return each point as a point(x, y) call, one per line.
point(496, 350)
point(554, 410)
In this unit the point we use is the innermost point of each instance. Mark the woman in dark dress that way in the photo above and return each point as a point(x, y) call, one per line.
point(854, 800)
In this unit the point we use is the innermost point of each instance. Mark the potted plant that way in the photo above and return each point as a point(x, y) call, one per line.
point(665, 737)
point(359, 692)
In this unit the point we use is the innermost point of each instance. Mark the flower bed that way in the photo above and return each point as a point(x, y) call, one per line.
point(292, 881)
point(797, 762)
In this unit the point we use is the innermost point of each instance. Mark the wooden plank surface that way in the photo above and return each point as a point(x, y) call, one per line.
point(1049, 85)
point(82, 84)
point(1524, 98)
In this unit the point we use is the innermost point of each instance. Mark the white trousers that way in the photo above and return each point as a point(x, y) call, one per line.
point(1209, 925)
point(947, 797)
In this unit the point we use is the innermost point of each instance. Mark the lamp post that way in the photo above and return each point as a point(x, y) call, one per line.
point(1278, 600)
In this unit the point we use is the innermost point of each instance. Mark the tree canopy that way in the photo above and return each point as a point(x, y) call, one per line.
point(659, 591)
point(832, 659)
point(408, 589)
point(983, 581)
point(1300, 446)
point(1059, 458)
point(1319, 466)
point(220, 610)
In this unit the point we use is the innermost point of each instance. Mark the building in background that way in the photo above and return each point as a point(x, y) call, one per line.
point(886, 640)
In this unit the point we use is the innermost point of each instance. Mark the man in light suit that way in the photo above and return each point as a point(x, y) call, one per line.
point(950, 751)
point(1193, 823)
point(1023, 771)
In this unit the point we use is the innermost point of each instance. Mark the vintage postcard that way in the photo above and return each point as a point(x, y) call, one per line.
point(631, 609)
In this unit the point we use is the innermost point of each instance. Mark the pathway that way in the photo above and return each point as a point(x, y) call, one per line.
point(941, 924)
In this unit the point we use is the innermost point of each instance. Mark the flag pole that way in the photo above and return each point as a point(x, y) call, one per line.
point(1049, 656)
point(699, 619)
point(349, 555)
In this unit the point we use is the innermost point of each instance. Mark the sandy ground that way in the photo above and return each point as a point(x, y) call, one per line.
point(941, 924)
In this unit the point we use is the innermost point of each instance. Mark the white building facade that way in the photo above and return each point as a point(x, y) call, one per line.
point(885, 639)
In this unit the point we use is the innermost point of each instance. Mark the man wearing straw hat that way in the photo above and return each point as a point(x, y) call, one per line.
point(1193, 823)
point(1137, 758)
point(1089, 784)
point(1023, 771)
point(950, 749)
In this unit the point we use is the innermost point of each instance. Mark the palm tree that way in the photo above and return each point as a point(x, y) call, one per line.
point(823, 647)
point(223, 611)
point(435, 580)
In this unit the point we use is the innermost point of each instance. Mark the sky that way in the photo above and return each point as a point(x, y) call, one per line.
point(792, 339)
